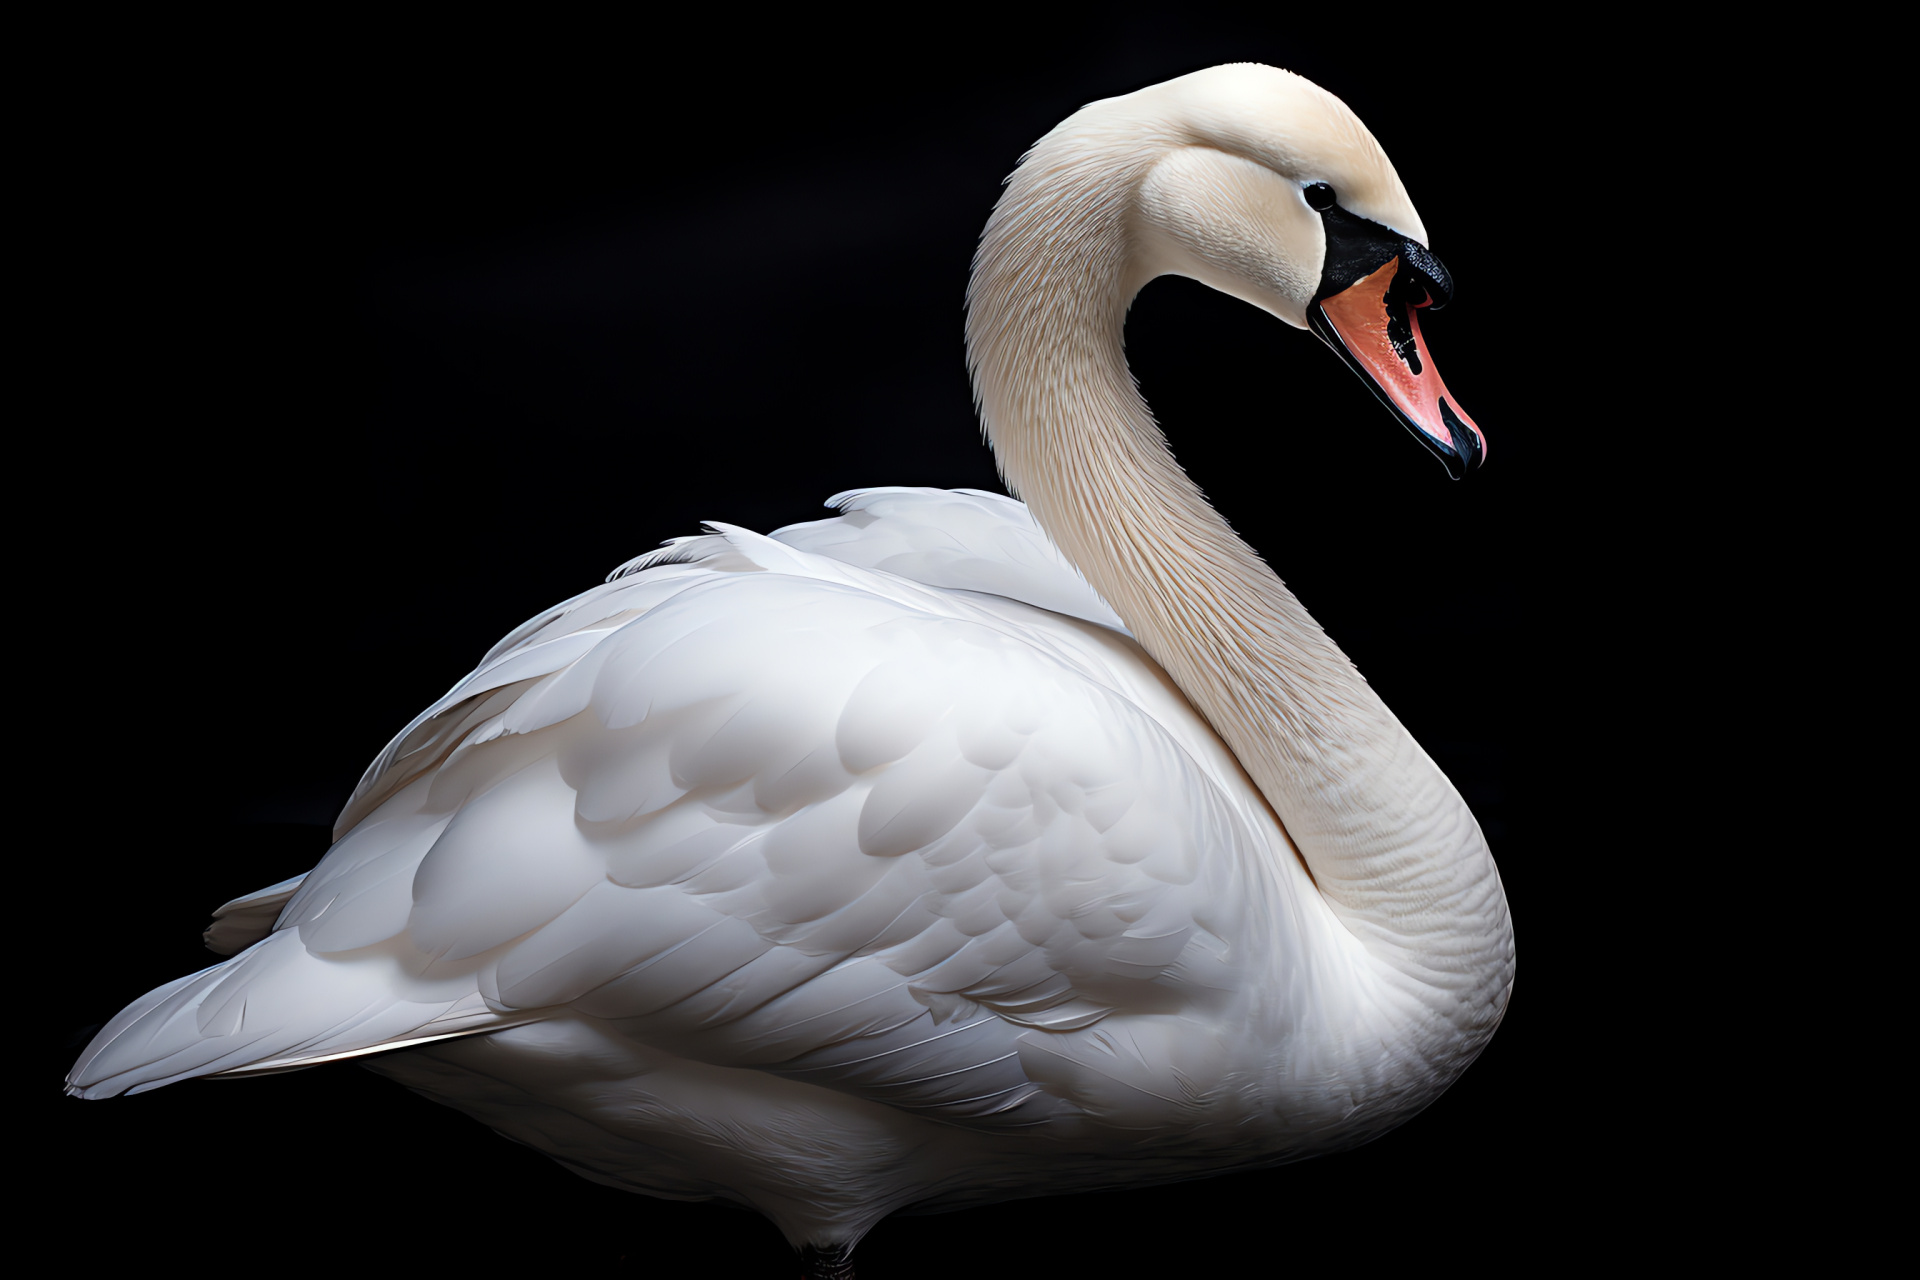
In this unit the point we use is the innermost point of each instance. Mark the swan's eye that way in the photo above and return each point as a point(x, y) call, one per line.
point(1319, 196)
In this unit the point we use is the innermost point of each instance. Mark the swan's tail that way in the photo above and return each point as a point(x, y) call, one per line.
point(274, 1007)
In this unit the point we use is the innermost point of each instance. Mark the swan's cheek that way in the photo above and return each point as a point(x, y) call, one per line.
point(1234, 225)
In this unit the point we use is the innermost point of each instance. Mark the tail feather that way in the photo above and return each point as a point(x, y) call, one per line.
point(271, 1008)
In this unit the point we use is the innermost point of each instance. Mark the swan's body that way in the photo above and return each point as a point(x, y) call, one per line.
point(946, 851)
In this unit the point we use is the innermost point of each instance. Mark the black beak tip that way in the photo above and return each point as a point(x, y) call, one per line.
point(1466, 453)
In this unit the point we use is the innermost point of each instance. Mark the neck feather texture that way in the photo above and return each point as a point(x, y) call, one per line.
point(1388, 840)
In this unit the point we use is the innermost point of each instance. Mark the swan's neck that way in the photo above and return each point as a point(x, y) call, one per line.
point(1388, 840)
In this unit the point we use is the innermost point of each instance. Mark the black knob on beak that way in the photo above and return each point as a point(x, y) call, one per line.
point(1422, 273)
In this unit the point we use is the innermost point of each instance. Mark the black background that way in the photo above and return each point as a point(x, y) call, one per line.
point(371, 343)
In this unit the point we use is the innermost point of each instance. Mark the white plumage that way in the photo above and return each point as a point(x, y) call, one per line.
point(875, 862)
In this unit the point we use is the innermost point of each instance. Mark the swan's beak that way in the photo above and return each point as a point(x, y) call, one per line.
point(1374, 325)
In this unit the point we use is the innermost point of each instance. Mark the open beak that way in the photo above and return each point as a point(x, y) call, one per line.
point(1374, 325)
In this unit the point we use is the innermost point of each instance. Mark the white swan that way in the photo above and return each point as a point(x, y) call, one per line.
point(874, 863)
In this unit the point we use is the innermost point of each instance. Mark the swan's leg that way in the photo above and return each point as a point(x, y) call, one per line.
point(827, 1262)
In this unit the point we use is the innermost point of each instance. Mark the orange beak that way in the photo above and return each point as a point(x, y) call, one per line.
point(1375, 328)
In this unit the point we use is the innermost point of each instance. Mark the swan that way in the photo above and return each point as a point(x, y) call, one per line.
point(955, 848)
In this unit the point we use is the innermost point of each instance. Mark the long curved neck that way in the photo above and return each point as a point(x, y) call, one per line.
point(1386, 837)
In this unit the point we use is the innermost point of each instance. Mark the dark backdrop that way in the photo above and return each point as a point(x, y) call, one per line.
point(372, 343)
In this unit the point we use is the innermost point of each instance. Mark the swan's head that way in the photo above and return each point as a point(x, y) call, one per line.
point(1266, 187)
point(1273, 191)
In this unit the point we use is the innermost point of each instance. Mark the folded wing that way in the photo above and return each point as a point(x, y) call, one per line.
point(766, 807)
